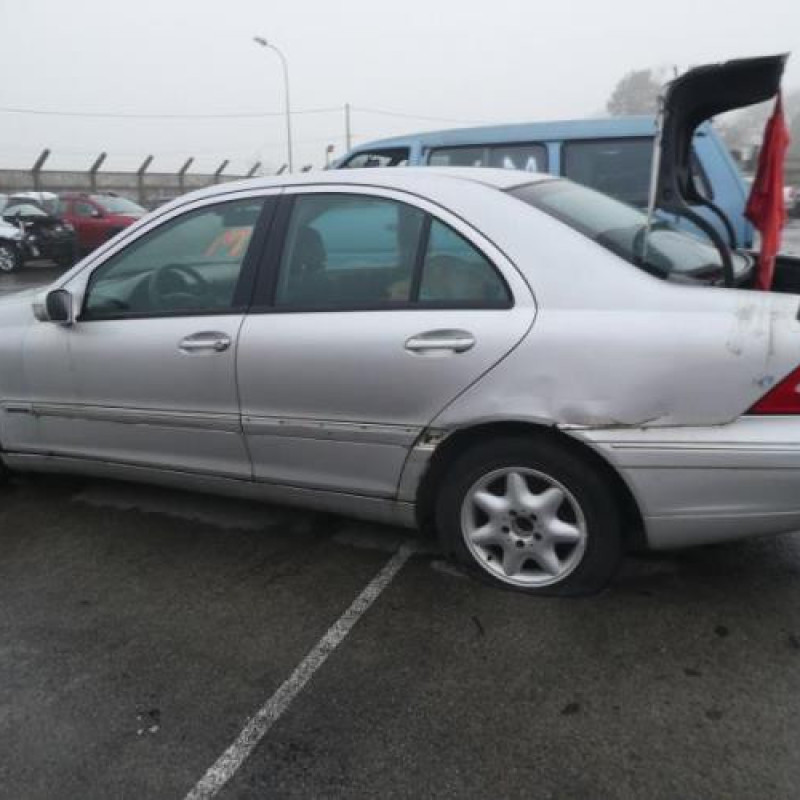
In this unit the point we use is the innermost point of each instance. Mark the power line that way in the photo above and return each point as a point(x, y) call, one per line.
point(123, 115)
point(228, 115)
point(403, 115)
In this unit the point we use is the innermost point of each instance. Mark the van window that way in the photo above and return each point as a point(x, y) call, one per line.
point(620, 168)
point(531, 157)
point(396, 157)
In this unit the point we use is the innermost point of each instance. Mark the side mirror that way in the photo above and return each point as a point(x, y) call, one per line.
point(58, 305)
point(96, 213)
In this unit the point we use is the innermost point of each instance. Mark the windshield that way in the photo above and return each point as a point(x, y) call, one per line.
point(112, 204)
point(621, 229)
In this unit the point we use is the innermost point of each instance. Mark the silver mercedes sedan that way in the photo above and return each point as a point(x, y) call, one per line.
point(484, 353)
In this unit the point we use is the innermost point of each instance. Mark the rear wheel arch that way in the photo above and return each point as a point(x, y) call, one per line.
point(464, 439)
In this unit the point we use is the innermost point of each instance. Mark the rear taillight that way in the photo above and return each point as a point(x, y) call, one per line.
point(783, 398)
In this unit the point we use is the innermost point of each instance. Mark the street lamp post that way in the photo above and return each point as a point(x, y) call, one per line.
point(260, 40)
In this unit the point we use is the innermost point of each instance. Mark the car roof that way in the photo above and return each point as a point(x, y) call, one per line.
point(410, 179)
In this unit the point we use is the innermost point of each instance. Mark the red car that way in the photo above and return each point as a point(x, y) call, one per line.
point(97, 217)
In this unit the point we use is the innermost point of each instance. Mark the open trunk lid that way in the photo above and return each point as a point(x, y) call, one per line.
point(690, 100)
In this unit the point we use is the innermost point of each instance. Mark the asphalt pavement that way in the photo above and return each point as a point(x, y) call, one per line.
point(141, 629)
point(31, 276)
point(150, 638)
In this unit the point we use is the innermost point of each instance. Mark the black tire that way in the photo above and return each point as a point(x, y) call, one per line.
point(589, 565)
point(10, 258)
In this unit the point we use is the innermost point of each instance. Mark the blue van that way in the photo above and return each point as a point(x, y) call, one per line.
point(611, 155)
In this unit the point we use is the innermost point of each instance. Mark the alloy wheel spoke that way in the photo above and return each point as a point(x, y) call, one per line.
point(561, 532)
point(517, 491)
point(513, 559)
point(549, 501)
point(547, 559)
point(490, 503)
point(487, 534)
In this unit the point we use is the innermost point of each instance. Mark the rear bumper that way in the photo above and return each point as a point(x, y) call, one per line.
point(710, 484)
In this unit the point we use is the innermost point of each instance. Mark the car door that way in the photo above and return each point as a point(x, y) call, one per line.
point(151, 377)
point(376, 313)
point(89, 224)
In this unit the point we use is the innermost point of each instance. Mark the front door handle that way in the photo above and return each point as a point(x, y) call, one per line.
point(205, 342)
point(453, 341)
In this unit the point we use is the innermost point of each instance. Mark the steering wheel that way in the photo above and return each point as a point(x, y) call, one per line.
point(176, 286)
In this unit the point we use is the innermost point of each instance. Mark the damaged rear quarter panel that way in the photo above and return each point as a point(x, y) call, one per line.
point(658, 355)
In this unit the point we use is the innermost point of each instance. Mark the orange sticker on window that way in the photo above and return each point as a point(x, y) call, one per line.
point(231, 242)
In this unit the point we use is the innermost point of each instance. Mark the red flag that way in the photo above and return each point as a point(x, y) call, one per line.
point(765, 207)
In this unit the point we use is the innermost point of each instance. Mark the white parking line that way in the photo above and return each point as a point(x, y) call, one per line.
point(260, 723)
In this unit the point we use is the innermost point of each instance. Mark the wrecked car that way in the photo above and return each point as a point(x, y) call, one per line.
point(523, 364)
point(44, 233)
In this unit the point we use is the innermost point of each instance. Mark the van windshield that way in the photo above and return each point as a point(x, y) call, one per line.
point(621, 228)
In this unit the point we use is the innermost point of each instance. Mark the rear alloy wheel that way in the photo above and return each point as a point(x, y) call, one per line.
point(10, 259)
point(531, 516)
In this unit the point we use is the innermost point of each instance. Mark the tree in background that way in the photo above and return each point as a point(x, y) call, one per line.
point(742, 130)
point(636, 93)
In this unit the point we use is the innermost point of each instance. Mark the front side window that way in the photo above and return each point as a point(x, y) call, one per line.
point(354, 252)
point(395, 157)
point(189, 265)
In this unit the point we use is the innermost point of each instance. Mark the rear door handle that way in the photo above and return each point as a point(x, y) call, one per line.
point(205, 342)
point(454, 341)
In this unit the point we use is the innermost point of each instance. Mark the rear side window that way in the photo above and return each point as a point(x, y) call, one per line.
point(531, 157)
point(396, 157)
point(455, 272)
point(619, 168)
point(350, 252)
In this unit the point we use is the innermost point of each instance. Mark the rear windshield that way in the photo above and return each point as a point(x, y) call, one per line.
point(530, 157)
point(620, 227)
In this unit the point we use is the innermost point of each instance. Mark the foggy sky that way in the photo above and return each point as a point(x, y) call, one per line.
point(499, 61)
